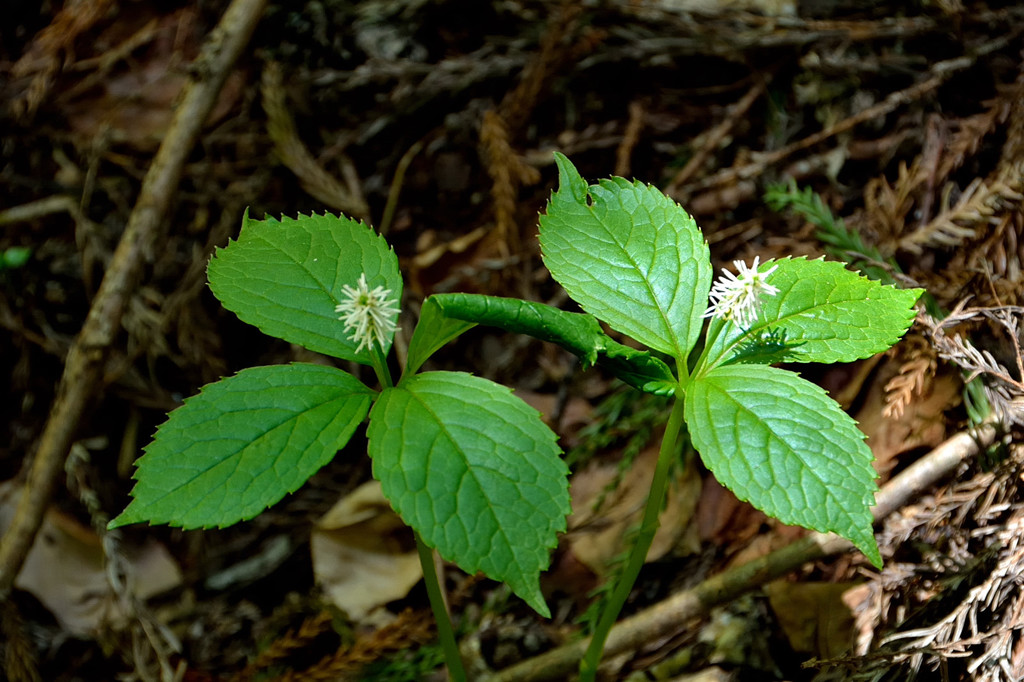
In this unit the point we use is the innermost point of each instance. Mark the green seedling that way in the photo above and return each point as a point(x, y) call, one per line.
point(470, 467)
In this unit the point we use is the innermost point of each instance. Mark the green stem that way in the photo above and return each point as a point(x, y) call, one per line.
point(644, 539)
point(709, 341)
point(445, 633)
point(380, 366)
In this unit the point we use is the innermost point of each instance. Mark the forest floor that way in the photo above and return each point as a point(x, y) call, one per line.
point(891, 138)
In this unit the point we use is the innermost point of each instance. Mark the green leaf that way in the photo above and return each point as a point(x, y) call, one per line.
point(432, 332)
point(286, 277)
point(766, 346)
point(630, 256)
point(578, 333)
point(14, 257)
point(243, 443)
point(825, 312)
point(475, 472)
point(781, 443)
point(638, 369)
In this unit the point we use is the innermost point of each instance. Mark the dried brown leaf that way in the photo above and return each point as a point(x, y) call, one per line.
point(508, 172)
point(960, 221)
point(283, 647)
point(887, 206)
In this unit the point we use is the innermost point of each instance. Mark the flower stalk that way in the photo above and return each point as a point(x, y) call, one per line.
point(370, 316)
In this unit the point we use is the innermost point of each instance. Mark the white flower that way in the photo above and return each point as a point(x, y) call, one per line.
point(737, 298)
point(369, 314)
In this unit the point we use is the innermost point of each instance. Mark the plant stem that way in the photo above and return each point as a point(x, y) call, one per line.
point(445, 633)
point(380, 366)
point(644, 539)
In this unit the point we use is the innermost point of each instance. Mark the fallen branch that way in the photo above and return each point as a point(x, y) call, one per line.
point(86, 358)
point(636, 631)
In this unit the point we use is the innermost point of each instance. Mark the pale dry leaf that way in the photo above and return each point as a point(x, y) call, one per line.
point(598, 535)
point(914, 377)
point(67, 571)
point(813, 616)
point(364, 556)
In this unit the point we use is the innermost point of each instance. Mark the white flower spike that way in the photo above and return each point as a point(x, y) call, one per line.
point(369, 314)
point(737, 297)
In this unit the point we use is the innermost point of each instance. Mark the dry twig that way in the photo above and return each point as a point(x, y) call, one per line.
point(85, 360)
point(634, 126)
point(940, 73)
point(715, 136)
point(1003, 388)
point(967, 534)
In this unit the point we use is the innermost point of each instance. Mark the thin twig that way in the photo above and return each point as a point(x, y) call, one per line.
point(396, 186)
point(940, 73)
point(85, 360)
point(636, 631)
point(634, 126)
point(42, 207)
point(346, 196)
point(717, 134)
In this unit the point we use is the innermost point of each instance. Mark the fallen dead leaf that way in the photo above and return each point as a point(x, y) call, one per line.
point(575, 414)
point(813, 616)
point(597, 535)
point(723, 519)
point(66, 570)
point(364, 556)
point(134, 106)
point(922, 424)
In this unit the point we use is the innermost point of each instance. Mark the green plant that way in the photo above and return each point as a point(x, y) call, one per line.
point(468, 466)
point(14, 257)
point(838, 239)
point(848, 245)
